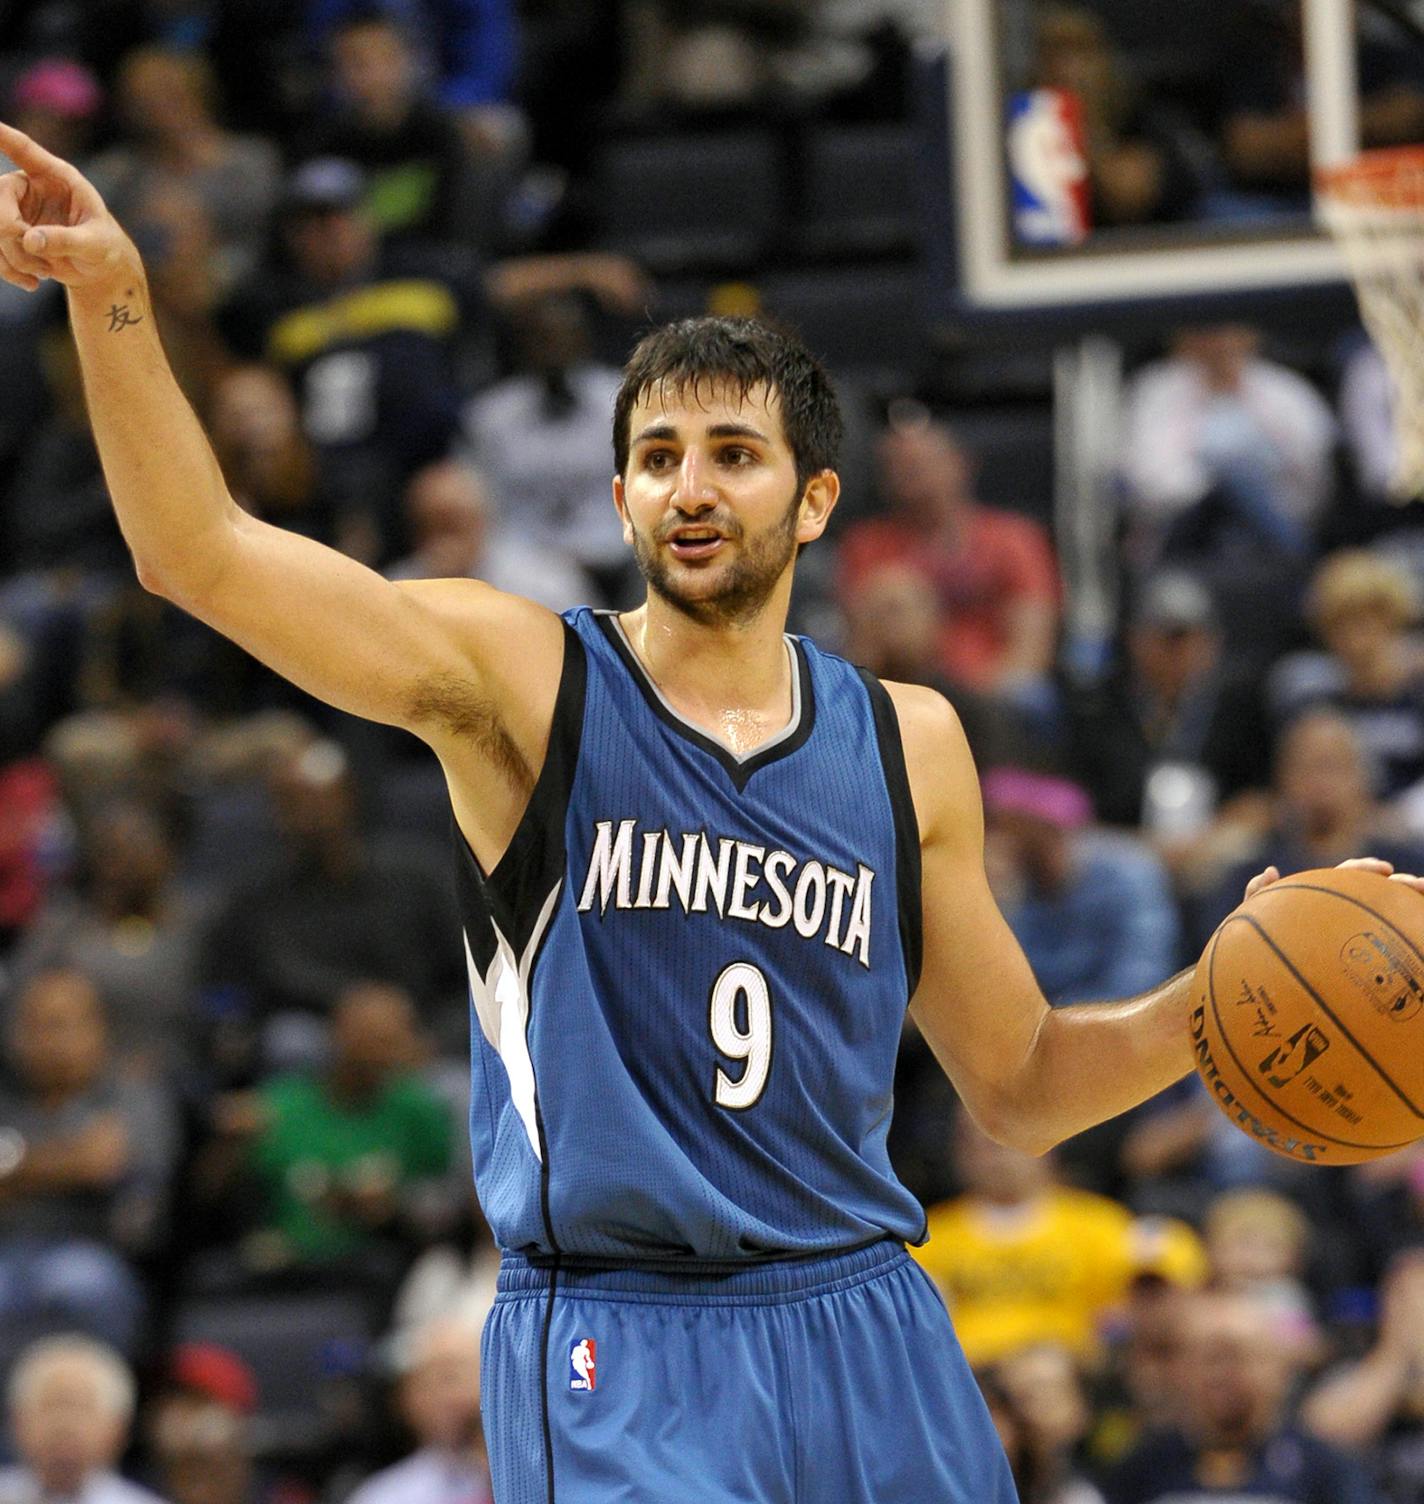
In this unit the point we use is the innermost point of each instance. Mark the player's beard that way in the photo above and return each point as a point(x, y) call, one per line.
point(745, 585)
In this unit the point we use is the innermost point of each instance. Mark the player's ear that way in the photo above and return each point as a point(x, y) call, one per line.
point(620, 505)
point(818, 501)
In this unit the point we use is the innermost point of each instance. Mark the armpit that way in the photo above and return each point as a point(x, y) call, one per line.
point(452, 704)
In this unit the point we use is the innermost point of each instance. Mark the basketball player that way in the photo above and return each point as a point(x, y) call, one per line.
point(704, 867)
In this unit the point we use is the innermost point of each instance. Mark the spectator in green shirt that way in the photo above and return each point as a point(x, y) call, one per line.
point(346, 1155)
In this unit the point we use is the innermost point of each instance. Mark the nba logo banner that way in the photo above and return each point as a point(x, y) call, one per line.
point(1048, 167)
point(583, 1365)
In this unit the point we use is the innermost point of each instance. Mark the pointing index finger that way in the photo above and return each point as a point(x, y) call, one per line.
point(29, 155)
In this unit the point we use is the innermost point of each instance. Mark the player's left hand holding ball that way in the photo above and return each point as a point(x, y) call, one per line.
point(1307, 1012)
point(53, 223)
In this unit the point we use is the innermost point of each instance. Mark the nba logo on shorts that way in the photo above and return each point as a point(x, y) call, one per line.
point(583, 1365)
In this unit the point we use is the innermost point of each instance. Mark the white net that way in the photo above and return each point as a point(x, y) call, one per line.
point(1374, 207)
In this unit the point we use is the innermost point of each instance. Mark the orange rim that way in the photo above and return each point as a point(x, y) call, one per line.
point(1389, 178)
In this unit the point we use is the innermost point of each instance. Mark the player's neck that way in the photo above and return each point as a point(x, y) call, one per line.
point(734, 680)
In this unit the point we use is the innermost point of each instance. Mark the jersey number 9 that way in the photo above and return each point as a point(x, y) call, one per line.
point(741, 983)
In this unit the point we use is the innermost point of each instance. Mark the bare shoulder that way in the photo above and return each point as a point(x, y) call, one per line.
point(921, 710)
point(943, 781)
point(502, 631)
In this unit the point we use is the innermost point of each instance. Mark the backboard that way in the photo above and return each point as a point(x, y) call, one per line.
point(1230, 244)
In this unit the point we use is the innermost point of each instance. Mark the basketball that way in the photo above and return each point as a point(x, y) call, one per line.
point(1308, 1016)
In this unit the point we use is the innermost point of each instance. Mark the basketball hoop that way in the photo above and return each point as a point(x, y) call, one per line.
point(1374, 207)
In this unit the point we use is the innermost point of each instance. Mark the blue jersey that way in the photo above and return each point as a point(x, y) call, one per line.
point(689, 974)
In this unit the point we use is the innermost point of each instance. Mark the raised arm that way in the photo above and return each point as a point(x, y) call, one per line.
point(467, 668)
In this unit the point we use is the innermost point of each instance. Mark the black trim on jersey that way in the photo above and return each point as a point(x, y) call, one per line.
point(738, 770)
point(535, 858)
point(545, 1214)
point(512, 896)
point(532, 865)
point(544, 1385)
point(907, 826)
point(578, 1263)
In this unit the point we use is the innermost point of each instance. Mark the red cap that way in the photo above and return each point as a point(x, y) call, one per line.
point(216, 1372)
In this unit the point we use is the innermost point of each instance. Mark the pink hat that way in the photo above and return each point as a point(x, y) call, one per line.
point(1059, 801)
point(60, 85)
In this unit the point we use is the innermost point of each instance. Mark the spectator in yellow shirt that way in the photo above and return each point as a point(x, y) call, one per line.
point(1021, 1259)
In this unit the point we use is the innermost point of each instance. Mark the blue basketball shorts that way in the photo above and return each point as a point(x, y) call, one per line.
point(836, 1380)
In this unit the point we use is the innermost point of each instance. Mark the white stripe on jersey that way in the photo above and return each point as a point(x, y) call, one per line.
point(501, 1003)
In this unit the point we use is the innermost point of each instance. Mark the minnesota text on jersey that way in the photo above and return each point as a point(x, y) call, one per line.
point(723, 877)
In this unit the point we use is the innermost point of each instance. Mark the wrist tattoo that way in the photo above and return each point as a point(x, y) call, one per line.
point(121, 318)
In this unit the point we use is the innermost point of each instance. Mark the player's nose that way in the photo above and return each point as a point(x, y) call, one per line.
point(696, 491)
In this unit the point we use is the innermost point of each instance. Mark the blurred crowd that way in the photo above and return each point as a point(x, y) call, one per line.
point(240, 1257)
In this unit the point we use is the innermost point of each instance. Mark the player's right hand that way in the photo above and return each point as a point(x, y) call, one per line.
point(53, 223)
point(1373, 864)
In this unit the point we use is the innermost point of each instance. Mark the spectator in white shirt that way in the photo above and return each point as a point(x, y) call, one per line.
point(440, 1399)
point(544, 440)
point(71, 1400)
point(448, 516)
point(1220, 442)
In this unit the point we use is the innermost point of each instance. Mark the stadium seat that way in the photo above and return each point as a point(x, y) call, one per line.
point(856, 193)
point(864, 320)
point(1012, 448)
point(232, 835)
point(708, 201)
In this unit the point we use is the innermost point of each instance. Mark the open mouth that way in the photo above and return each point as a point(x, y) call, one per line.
point(695, 543)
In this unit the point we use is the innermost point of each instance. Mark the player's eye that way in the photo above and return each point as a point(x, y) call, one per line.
point(737, 456)
point(658, 459)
